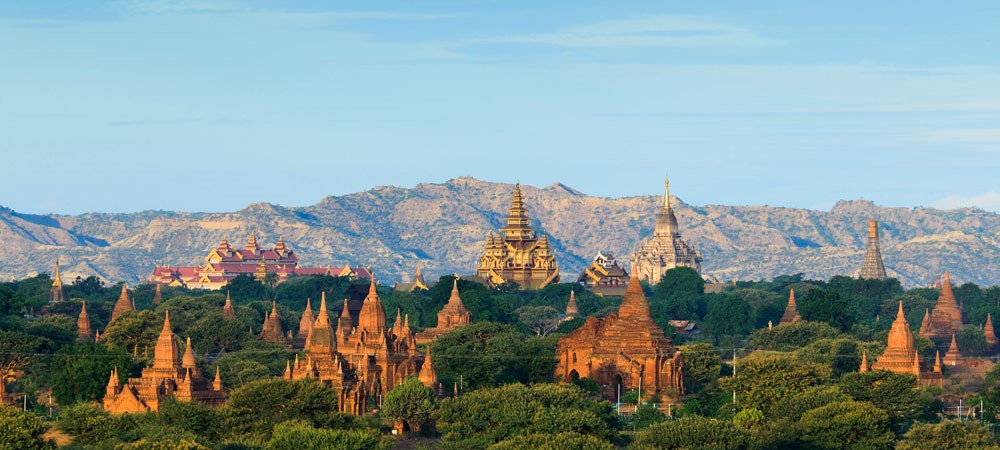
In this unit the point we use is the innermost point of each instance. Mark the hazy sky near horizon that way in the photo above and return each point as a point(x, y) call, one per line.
point(208, 105)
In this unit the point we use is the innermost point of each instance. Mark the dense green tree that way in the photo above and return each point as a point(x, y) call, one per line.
point(9, 302)
point(19, 352)
point(828, 306)
point(490, 415)
point(678, 295)
point(134, 331)
point(557, 441)
point(79, 372)
point(22, 431)
point(541, 320)
point(791, 335)
point(702, 364)
point(947, 435)
point(971, 341)
point(692, 432)
point(763, 381)
point(410, 403)
point(846, 425)
point(727, 315)
point(489, 354)
point(89, 423)
point(245, 288)
point(841, 354)
point(301, 435)
point(257, 360)
point(213, 333)
point(897, 394)
point(256, 407)
point(792, 408)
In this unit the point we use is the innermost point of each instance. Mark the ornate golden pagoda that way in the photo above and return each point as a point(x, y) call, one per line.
point(57, 293)
point(665, 250)
point(518, 254)
point(791, 310)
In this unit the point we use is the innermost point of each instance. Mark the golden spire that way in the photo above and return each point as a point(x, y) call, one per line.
point(791, 314)
point(57, 281)
point(666, 193)
point(864, 362)
point(217, 383)
point(288, 369)
point(321, 339)
point(227, 310)
point(937, 361)
point(372, 317)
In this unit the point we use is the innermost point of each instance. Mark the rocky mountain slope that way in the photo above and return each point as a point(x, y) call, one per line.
point(445, 225)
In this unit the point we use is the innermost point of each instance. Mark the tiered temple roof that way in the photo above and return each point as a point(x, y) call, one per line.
point(453, 315)
point(170, 375)
point(418, 283)
point(626, 349)
point(873, 267)
point(123, 304)
point(518, 254)
point(604, 276)
point(57, 293)
point(271, 331)
point(946, 317)
point(224, 262)
point(791, 310)
point(665, 250)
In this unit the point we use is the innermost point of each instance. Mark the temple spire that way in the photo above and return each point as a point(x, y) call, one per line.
point(83, 323)
point(427, 374)
point(634, 305)
point(873, 267)
point(954, 355)
point(864, 362)
point(57, 278)
point(372, 317)
point(158, 295)
point(217, 383)
point(791, 310)
point(572, 310)
point(123, 304)
point(166, 355)
point(321, 340)
point(937, 361)
point(187, 361)
point(227, 310)
point(991, 336)
point(666, 193)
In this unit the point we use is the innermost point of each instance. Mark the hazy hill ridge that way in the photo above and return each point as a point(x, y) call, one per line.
point(445, 226)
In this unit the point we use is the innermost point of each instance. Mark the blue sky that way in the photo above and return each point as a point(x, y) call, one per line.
point(209, 105)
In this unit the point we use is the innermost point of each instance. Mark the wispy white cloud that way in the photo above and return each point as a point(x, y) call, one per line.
point(649, 31)
point(989, 201)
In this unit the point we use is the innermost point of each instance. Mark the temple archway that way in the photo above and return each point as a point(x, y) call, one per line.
point(574, 376)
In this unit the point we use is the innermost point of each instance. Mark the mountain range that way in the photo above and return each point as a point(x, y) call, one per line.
point(444, 227)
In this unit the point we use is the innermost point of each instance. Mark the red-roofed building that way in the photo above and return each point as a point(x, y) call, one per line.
point(223, 263)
